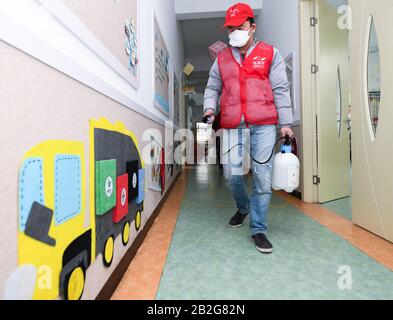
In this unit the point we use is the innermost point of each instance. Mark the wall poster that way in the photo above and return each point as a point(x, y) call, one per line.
point(155, 165)
point(290, 64)
point(161, 72)
point(176, 100)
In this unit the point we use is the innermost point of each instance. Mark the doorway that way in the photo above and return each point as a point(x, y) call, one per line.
point(370, 49)
point(326, 103)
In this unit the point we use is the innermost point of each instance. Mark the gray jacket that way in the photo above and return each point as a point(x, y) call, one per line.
point(278, 79)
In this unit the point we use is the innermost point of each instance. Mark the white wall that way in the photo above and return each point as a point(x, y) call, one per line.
point(45, 33)
point(278, 25)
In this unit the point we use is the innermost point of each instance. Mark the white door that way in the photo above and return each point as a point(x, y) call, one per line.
point(372, 115)
point(333, 91)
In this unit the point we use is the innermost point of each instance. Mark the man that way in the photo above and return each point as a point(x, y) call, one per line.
point(250, 81)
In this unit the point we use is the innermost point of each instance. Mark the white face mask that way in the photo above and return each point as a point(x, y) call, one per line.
point(239, 38)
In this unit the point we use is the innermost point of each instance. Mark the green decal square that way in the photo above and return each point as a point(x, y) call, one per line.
point(105, 185)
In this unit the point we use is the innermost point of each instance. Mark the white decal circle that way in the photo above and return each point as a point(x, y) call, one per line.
point(109, 186)
point(123, 197)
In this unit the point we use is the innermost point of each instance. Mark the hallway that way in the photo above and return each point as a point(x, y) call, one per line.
point(113, 116)
point(209, 260)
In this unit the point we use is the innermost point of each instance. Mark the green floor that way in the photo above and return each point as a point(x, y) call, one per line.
point(342, 207)
point(208, 260)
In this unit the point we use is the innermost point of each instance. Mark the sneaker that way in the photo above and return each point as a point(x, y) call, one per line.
point(237, 220)
point(262, 244)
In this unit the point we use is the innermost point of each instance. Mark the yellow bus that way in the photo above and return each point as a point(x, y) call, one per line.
point(61, 233)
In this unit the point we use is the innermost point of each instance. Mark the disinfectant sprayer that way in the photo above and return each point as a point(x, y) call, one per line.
point(286, 166)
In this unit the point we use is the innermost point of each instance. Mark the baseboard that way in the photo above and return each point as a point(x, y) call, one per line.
point(117, 275)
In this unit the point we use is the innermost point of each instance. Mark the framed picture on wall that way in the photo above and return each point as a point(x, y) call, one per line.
point(290, 69)
point(169, 159)
point(161, 71)
point(176, 99)
point(177, 153)
point(155, 165)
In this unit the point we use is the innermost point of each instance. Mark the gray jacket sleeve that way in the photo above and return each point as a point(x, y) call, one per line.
point(281, 90)
point(213, 89)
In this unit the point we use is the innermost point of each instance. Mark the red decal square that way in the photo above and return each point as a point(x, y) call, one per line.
point(121, 209)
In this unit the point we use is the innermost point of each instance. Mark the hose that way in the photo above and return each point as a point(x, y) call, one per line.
point(288, 142)
point(271, 155)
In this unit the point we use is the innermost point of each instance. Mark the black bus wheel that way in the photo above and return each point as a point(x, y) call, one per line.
point(109, 249)
point(75, 284)
point(126, 233)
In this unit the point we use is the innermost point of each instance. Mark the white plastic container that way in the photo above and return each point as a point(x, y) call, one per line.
point(286, 170)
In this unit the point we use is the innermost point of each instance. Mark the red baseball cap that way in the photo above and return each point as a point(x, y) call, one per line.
point(238, 14)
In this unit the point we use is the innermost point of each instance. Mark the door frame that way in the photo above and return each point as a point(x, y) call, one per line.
point(309, 100)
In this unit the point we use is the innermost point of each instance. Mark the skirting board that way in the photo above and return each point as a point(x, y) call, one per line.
point(117, 275)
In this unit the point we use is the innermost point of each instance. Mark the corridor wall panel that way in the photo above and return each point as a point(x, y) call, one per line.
point(57, 125)
point(107, 21)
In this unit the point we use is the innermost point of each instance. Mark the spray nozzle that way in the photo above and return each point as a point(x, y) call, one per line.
point(288, 140)
point(287, 146)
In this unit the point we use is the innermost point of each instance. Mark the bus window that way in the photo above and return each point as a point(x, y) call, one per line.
point(67, 187)
point(31, 188)
point(141, 191)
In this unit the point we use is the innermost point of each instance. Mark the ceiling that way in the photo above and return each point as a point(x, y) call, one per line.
point(204, 32)
point(200, 34)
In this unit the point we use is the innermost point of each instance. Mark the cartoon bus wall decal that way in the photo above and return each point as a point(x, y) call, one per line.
point(116, 147)
point(52, 231)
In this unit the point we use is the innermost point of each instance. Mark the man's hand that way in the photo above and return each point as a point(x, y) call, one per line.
point(210, 113)
point(287, 131)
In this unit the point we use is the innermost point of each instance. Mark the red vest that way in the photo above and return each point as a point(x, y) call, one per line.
point(247, 89)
